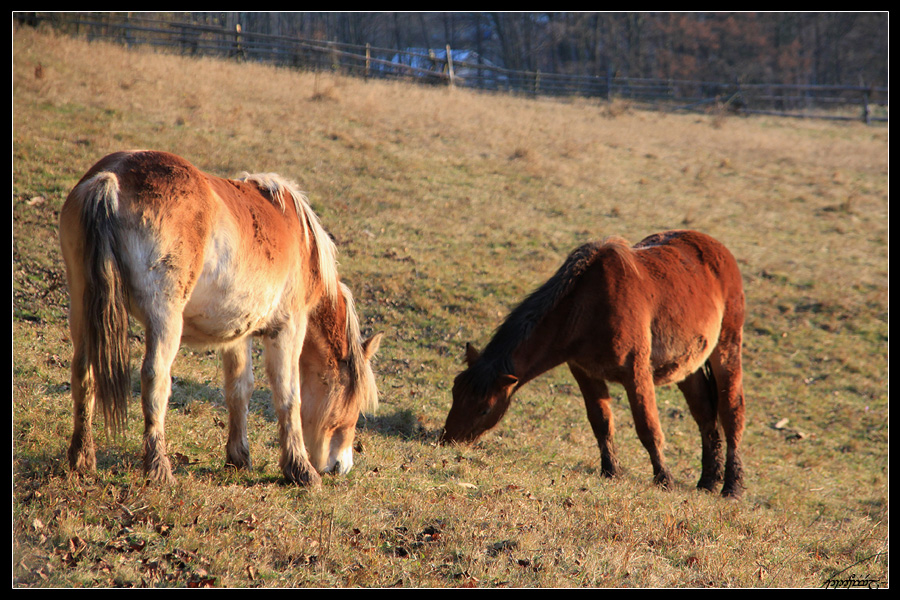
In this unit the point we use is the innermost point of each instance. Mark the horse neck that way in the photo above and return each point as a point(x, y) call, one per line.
point(334, 331)
point(539, 352)
point(534, 336)
point(532, 355)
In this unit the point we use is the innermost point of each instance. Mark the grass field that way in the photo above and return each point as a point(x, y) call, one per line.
point(448, 207)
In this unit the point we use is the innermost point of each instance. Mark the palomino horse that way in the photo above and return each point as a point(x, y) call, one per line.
point(669, 310)
point(211, 262)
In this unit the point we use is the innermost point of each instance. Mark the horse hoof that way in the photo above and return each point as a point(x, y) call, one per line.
point(241, 462)
point(162, 477)
point(82, 463)
point(234, 466)
point(305, 476)
point(159, 471)
point(664, 480)
point(708, 484)
point(610, 468)
point(732, 492)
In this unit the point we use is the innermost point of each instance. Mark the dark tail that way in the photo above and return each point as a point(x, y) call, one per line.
point(712, 388)
point(105, 302)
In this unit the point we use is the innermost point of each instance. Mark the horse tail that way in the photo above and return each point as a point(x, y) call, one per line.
point(105, 316)
point(711, 387)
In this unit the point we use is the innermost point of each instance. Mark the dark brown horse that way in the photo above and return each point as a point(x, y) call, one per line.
point(211, 262)
point(668, 310)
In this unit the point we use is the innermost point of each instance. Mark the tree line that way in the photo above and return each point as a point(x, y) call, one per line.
point(806, 48)
point(792, 64)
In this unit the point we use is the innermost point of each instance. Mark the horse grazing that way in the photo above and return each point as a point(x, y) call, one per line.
point(668, 310)
point(211, 262)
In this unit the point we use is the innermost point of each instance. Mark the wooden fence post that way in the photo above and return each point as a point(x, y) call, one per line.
point(238, 44)
point(867, 110)
point(450, 65)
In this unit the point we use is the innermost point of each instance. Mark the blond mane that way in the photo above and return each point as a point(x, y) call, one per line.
point(277, 186)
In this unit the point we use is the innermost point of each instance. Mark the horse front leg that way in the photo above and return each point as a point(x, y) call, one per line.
point(597, 402)
point(282, 348)
point(642, 398)
point(238, 367)
point(163, 341)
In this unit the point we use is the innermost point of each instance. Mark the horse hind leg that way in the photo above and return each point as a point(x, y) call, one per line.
point(726, 366)
point(163, 341)
point(238, 369)
point(699, 390)
point(81, 453)
point(597, 402)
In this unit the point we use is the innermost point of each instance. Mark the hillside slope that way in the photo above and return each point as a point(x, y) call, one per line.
point(448, 207)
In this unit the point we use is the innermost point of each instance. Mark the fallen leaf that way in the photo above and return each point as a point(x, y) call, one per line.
point(499, 547)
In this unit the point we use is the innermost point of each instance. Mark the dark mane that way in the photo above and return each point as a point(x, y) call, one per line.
point(520, 323)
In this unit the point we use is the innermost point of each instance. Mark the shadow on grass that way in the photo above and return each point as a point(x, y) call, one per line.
point(403, 424)
point(188, 395)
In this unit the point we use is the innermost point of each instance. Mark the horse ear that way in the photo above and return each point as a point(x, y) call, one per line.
point(506, 381)
point(471, 354)
point(371, 345)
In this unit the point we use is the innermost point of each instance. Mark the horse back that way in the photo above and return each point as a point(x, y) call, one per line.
point(690, 270)
point(667, 299)
point(695, 251)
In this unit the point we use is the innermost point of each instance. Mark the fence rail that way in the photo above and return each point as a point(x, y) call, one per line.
point(466, 69)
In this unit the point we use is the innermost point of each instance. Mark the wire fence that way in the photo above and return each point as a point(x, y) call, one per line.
point(464, 68)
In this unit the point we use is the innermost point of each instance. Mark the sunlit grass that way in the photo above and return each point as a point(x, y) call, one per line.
point(448, 207)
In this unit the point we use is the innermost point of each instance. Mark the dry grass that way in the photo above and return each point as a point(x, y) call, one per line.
point(448, 207)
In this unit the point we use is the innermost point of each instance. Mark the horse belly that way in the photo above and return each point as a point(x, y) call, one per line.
point(228, 304)
point(676, 354)
point(210, 319)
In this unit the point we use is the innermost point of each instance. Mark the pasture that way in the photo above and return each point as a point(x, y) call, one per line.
point(447, 207)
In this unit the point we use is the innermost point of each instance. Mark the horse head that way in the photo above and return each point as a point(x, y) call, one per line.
point(481, 396)
point(337, 383)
